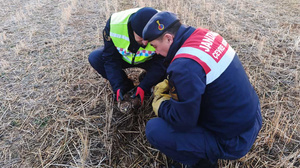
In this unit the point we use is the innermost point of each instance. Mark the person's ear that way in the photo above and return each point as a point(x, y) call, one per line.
point(169, 37)
point(144, 42)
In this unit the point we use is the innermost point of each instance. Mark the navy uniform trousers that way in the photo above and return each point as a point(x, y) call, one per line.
point(199, 143)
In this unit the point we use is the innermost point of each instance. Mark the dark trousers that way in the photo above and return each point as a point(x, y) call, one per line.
point(191, 146)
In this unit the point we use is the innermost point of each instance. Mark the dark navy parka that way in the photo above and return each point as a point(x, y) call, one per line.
point(226, 107)
point(114, 63)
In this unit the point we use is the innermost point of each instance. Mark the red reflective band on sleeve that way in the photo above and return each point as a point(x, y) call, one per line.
point(203, 64)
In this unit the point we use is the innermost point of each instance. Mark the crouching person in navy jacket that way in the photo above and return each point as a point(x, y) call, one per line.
point(207, 109)
point(125, 48)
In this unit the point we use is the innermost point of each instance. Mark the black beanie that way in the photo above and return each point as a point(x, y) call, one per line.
point(141, 18)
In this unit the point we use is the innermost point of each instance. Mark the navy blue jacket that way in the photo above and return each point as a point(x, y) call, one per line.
point(114, 63)
point(227, 106)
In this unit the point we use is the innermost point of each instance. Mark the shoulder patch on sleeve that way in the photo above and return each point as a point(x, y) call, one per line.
point(106, 36)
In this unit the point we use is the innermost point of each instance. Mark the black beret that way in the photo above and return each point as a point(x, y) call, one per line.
point(159, 24)
point(140, 19)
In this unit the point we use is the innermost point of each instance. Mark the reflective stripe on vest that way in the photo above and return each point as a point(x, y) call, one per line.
point(120, 37)
point(210, 50)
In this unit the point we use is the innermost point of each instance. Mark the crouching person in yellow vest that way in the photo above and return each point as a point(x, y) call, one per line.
point(124, 48)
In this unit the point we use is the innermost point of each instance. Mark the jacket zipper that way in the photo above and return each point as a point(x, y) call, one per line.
point(132, 62)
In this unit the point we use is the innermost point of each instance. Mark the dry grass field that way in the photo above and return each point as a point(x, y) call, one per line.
point(56, 111)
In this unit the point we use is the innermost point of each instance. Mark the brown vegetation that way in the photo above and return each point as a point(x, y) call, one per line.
point(56, 111)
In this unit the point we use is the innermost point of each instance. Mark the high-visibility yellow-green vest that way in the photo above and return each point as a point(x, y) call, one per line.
point(120, 37)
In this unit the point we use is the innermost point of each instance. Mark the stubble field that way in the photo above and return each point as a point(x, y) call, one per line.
point(56, 111)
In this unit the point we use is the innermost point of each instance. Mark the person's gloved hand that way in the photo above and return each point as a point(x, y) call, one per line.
point(139, 92)
point(119, 95)
point(157, 100)
point(160, 94)
point(162, 87)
